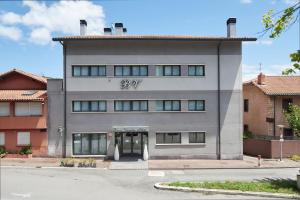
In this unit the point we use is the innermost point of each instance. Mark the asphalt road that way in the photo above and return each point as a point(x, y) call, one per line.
point(87, 184)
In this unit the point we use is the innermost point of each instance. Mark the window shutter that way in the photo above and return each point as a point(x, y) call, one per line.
point(23, 138)
point(2, 139)
point(22, 109)
point(4, 109)
point(35, 108)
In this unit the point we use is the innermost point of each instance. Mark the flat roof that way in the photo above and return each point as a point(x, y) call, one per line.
point(153, 37)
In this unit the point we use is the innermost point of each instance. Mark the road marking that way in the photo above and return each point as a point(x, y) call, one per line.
point(156, 173)
point(26, 195)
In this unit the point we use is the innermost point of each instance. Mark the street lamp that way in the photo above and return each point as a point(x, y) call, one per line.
point(281, 140)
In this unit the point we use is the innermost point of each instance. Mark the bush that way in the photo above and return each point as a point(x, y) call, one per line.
point(295, 158)
point(67, 162)
point(248, 134)
point(26, 150)
point(90, 162)
point(2, 150)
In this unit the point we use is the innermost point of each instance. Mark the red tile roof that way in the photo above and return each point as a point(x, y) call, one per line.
point(278, 85)
point(152, 37)
point(36, 77)
point(22, 95)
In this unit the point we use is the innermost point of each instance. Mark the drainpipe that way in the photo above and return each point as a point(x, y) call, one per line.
point(219, 106)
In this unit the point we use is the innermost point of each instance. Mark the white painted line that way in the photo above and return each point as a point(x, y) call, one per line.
point(26, 195)
point(177, 172)
point(156, 173)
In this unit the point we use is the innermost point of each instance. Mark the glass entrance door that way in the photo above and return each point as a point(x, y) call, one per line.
point(131, 143)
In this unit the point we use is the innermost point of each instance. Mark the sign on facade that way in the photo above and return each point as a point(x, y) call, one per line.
point(126, 83)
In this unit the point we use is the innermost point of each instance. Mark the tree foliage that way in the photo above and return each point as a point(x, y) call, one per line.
point(276, 23)
point(293, 118)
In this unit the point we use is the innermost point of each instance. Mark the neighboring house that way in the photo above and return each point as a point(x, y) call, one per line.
point(266, 98)
point(23, 112)
point(179, 95)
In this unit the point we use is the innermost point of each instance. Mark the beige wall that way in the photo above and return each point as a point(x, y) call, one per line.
point(261, 106)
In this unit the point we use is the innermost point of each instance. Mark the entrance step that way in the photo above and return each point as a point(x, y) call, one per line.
point(129, 164)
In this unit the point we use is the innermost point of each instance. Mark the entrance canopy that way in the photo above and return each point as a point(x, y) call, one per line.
point(130, 128)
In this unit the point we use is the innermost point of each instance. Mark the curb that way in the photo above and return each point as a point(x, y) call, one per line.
point(41, 167)
point(160, 186)
point(195, 168)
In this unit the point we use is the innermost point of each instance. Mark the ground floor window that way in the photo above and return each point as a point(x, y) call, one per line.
point(168, 138)
point(23, 138)
point(2, 139)
point(89, 144)
point(196, 137)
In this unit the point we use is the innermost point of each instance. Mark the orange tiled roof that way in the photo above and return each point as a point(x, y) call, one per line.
point(279, 85)
point(36, 77)
point(22, 95)
point(151, 37)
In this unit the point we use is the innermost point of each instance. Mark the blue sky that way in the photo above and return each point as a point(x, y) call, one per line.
point(26, 28)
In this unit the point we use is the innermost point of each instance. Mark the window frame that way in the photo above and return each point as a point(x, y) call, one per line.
point(172, 105)
point(90, 137)
point(196, 103)
point(195, 66)
point(89, 106)
point(89, 70)
point(285, 104)
point(131, 105)
point(23, 144)
point(172, 70)
point(3, 135)
point(197, 132)
point(246, 105)
point(29, 114)
point(131, 70)
point(8, 107)
point(164, 138)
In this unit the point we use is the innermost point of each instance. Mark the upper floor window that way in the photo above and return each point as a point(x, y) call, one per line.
point(89, 106)
point(133, 105)
point(168, 138)
point(2, 138)
point(131, 70)
point(93, 70)
point(246, 105)
point(196, 70)
point(168, 70)
point(196, 105)
point(286, 103)
point(4, 109)
point(168, 105)
point(28, 108)
point(197, 137)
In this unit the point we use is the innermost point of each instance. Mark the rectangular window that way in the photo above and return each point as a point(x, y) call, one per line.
point(168, 105)
point(197, 137)
point(89, 106)
point(168, 138)
point(23, 138)
point(168, 70)
point(131, 70)
point(89, 144)
point(28, 108)
point(286, 103)
point(132, 105)
point(4, 109)
point(196, 70)
point(87, 70)
point(246, 105)
point(2, 139)
point(196, 105)
point(246, 128)
point(288, 132)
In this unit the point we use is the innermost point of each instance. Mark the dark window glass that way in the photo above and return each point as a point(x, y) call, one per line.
point(246, 105)
point(168, 70)
point(133, 105)
point(288, 132)
point(168, 138)
point(196, 70)
point(196, 105)
point(89, 144)
point(286, 103)
point(168, 105)
point(131, 70)
point(196, 137)
point(246, 127)
point(94, 70)
point(89, 106)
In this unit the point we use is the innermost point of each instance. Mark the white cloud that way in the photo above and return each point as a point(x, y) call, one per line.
point(246, 1)
point(291, 2)
point(251, 71)
point(260, 42)
point(12, 33)
point(60, 17)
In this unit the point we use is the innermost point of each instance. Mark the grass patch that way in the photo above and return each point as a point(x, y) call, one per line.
point(286, 186)
point(295, 158)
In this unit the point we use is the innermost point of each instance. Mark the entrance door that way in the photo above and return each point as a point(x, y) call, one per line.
point(131, 143)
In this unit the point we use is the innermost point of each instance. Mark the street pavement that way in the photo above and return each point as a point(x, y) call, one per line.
point(73, 183)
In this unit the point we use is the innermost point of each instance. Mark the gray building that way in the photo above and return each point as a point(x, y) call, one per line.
point(181, 96)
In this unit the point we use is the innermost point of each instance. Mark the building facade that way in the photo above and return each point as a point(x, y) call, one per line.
point(23, 112)
point(181, 96)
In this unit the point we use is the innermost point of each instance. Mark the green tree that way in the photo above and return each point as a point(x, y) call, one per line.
point(276, 23)
point(293, 118)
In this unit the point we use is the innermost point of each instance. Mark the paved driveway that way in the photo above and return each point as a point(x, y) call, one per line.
point(55, 184)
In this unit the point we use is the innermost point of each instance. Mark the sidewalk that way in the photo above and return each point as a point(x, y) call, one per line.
point(248, 162)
